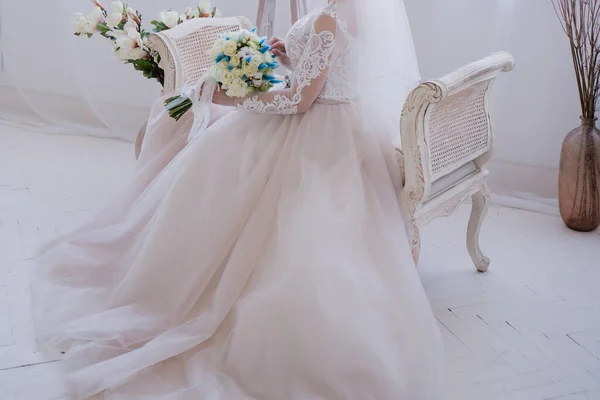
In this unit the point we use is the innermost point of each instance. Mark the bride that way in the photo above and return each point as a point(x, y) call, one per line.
point(269, 260)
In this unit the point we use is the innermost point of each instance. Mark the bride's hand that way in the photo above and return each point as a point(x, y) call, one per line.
point(279, 50)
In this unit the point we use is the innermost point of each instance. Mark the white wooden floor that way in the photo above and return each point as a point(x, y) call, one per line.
point(529, 329)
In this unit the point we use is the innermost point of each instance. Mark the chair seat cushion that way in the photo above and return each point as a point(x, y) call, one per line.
point(444, 182)
point(448, 181)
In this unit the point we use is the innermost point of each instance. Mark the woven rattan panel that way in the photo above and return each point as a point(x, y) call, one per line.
point(458, 129)
point(193, 51)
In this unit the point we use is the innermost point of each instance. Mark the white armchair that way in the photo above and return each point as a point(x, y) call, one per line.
point(447, 139)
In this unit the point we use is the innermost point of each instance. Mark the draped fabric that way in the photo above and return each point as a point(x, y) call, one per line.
point(75, 84)
point(62, 83)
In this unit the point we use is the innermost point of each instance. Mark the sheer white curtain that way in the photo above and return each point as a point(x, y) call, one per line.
point(59, 82)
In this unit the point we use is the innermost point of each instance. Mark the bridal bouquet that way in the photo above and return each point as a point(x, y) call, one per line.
point(243, 64)
point(122, 25)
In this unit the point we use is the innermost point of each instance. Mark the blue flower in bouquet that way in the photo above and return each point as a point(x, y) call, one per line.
point(243, 63)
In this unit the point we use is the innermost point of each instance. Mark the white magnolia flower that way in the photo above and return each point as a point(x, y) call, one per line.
point(117, 7)
point(115, 15)
point(113, 20)
point(133, 18)
point(182, 18)
point(205, 7)
point(79, 22)
point(93, 19)
point(192, 12)
point(130, 24)
point(97, 4)
point(129, 44)
point(169, 18)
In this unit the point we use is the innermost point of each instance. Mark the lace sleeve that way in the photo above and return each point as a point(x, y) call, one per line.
point(309, 75)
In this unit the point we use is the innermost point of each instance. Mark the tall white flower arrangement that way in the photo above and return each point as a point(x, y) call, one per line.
point(122, 25)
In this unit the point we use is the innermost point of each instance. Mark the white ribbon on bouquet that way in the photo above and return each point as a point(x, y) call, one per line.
point(201, 105)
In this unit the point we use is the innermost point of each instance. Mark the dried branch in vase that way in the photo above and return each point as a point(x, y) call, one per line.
point(580, 20)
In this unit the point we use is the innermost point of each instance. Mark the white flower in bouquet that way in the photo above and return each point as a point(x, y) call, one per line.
point(129, 44)
point(122, 26)
point(243, 63)
point(257, 82)
point(205, 7)
point(133, 20)
point(93, 19)
point(230, 47)
point(192, 12)
point(250, 69)
point(97, 4)
point(237, 87)
point(79, 23)
point(115, 16)
point(169, 18)
point(130, 24)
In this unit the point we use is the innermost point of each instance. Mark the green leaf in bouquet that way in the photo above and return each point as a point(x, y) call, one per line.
point(159, 26)
point(149, 69)
point(144, 33)
point(103, 28)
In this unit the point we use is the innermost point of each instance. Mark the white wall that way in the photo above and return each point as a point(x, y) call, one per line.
point(50, 75)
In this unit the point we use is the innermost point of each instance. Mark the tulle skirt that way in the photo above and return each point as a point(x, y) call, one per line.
point(268, 260)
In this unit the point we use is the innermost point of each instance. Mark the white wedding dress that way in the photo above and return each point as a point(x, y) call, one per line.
point(267, 261)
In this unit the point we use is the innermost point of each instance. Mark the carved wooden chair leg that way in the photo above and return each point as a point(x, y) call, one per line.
point(481, 202)
point(139, 140)
point(416, 243)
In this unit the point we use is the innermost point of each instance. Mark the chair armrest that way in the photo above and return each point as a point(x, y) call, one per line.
point(479, 71)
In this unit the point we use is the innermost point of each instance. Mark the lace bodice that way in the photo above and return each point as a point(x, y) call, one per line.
point(336, 85)
point(319, 49)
